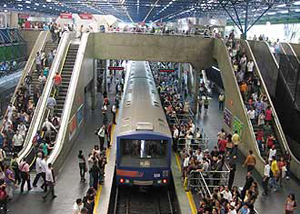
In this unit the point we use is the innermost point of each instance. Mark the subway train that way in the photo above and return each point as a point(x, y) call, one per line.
point(143, 136)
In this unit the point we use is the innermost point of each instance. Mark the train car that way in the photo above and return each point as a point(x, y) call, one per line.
point(142, 134)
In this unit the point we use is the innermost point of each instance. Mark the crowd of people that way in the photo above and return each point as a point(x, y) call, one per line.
point(225, 198)
point(260, 114)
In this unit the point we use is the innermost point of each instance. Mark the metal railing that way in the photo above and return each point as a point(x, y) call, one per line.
point(194, 145)
point(212, 179)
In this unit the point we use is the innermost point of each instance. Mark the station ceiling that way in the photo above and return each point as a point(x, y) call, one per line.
point(163, 10)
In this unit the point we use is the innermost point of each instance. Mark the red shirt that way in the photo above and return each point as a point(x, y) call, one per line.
point(268, 114)
point(259, 135)
point(222, 145)
point(270, 142)
point(57, 79)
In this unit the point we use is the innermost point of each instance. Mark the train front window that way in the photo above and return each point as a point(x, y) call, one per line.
point(143, 153)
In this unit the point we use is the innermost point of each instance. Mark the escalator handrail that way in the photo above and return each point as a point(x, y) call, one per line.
point(275, 117)
point(66, 113)
point(293, 51)
point(38, 46)
point(41, 107)
point(251, 129)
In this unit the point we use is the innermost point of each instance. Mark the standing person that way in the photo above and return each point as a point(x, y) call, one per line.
point(50, 182)
point(38, 62)
point(24, 168)
point(38, 168)
point(82, 165)
point(275, 174)
point(51, 103)
point(15, 167)
point(57, 81)
point(250, 161)
point(42, 81)
point(221, 101)
point(47, 127)
point(17, 142)
point(9, 180)
point(232, 168)
point(266, 177)
point(3, 196)
point(101, 135)
point(114, 111)
point(77, 207)
point(290, 204)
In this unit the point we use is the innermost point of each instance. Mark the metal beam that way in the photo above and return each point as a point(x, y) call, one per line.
point(237, 16)
point(240, 28)
point(259, 17)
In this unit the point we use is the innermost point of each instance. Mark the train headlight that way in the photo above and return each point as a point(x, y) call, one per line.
point(121, 180)
point(165, 181)
point(159, 181)
point(127, 181)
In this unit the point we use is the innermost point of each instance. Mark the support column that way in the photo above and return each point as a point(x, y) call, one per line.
point(94, 84)
point(196, 89)
point(179, 76)
point(246, 21)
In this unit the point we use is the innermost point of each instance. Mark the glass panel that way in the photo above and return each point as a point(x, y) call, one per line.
point(143, 153)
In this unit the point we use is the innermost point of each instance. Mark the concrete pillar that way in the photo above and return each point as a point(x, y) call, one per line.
point(180, 76)
point(94, 84)
point(196, 89)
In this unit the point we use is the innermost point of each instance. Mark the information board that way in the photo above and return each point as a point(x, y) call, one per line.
point(237, 126)
point(227, 118)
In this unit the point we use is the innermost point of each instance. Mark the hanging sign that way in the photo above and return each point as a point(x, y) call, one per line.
point(116, 68)
point(23, 16)
point(86, 16)
point(66, 15)
point(166, 70)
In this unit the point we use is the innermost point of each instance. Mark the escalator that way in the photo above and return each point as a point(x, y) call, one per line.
point(282, 95)
point(60, 97)
point(35, 75)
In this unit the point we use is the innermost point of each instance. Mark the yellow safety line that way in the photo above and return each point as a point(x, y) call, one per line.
point(188, 193)
point(97, 198)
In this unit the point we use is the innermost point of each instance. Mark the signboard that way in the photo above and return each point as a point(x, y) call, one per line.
point(227, 117)
point(80, 115)
point(166, 70)
point(72, 127)
point(86, 16)
point(66, 16)
point(23, 16)
point(116, 68)
point(237, 126)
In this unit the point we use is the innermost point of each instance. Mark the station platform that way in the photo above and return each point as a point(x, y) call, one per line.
point(271, 204)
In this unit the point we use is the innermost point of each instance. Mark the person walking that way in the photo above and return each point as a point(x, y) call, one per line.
point(15, 167)
point(114, 111)
point(57, 81)
point(38, 62)
point(266, 177)
point(82, 165)
point(250, 161)
point(38, 168)
point(290, 204)
point(50, 182)
point(24, 168)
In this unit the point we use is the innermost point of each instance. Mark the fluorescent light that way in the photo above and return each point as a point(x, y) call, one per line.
point(284, 11)
point(28, 2)
point(4, 5)
point(281, 5)
point(297, 10)
point(20, 5)
point(296, 3)
point(272, 13)
point(5, 11)
point(37, 4)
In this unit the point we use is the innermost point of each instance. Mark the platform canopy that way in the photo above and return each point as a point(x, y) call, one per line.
point(236, 11)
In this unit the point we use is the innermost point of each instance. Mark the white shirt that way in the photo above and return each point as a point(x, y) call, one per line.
point(250, 66)
point(48, 125)
point(18, 140)
point(186, 162)
point(227, 195)
point(267, 170)
point(272, 153)
point(43, 165)
point(10, 110)
point(42, 79)
point(192, 129)
point(49, 175)
point(175, 133)
point(22, 129)
point(251, 114)
point(38, 165)
point(77, 209)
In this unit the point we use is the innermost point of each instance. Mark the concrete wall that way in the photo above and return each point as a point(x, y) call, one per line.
point(30, 37)
point(266, 63)
point(234, 103)
point(195, 50)
point(296, 48)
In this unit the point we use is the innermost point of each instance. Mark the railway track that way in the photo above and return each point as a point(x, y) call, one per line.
point(150, 201)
